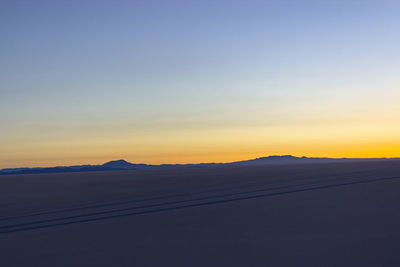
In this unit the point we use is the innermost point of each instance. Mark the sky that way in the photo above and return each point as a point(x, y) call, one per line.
point(197, 81)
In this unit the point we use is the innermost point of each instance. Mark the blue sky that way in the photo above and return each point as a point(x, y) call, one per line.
point(190, 81)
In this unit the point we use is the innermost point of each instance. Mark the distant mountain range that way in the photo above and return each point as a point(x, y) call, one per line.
point(124, 165)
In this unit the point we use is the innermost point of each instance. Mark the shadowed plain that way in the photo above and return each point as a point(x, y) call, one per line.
point(320, 214)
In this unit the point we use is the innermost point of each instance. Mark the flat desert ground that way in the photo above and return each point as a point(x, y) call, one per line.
point(336, 214)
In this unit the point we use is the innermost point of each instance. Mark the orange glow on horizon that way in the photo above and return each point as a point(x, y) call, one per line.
point(202, 145)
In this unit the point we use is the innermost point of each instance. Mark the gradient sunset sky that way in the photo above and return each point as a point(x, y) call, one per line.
point(197, 81)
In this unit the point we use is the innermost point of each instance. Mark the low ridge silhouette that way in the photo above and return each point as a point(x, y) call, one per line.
point(125, 165)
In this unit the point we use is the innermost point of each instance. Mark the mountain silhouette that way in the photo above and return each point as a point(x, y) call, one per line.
point(119, 164)
point(125, 165)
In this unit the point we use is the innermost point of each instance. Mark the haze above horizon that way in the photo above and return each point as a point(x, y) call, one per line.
point(197, 81)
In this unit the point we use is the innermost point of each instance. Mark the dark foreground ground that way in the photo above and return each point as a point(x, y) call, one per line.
point(345, 214)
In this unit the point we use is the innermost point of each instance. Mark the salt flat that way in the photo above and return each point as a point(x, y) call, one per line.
point(336, 214)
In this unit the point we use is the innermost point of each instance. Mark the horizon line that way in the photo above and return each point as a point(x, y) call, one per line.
point(226, 162)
